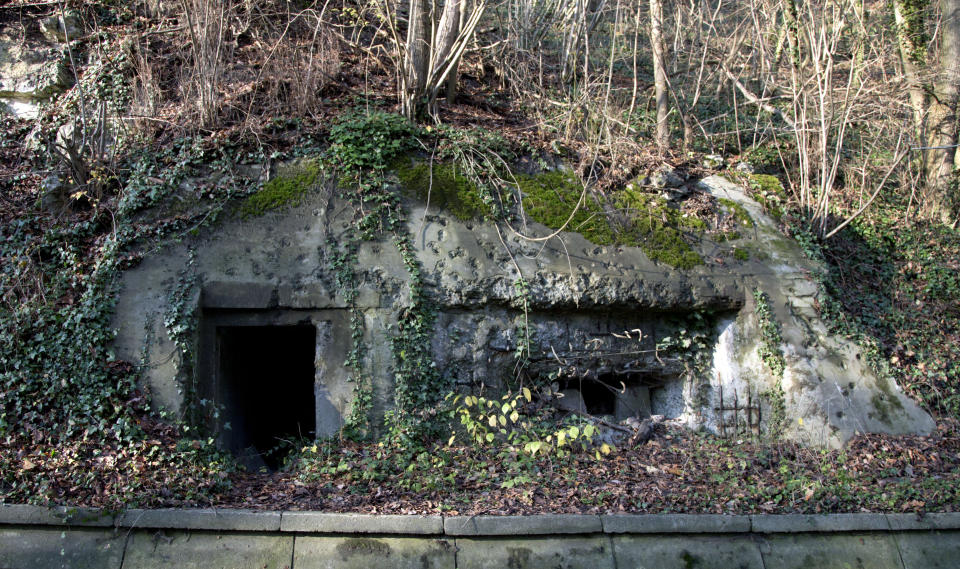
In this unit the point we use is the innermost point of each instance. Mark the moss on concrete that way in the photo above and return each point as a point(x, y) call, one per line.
point(657, 229)
point(444, 188)
point(769, 193)
point(550, 198)
point(287, 188)
point(738, 211)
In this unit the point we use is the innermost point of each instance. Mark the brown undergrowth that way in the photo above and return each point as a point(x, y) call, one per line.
point(676, 471)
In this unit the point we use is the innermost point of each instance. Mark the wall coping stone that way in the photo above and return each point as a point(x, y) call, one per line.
point(23, 514)
point(203, 519)
point(545, 524)
point(469, 526)
point(915, 522)
point(325, 522)
point(796, 523)
point(676, 523)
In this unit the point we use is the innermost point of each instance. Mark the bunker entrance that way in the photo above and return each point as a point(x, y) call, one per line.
point(617, 395)
point(266, 378)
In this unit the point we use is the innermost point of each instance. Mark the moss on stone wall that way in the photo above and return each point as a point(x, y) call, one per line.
point(738, 211)
point(652, 225)
point(445, 188)
point(769, 193)
point(657, 229)
point(550, 197)
point(287, 188)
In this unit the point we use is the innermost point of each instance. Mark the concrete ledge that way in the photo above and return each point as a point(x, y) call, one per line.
point(21, 514)
point(798, 523)
point(675, 523)
point(472, 526)
point(208, 519)
point(320, 522)
point(522, 525)
point(915, 522)
point(45, 538)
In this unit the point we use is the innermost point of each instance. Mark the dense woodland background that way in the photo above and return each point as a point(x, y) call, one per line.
point(845, 112)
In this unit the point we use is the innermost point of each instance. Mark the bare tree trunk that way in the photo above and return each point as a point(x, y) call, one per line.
point(942, 120)
point(452, 80)
point(659, 73)
point(417, 59)
point(447, 33)
point(909, 17)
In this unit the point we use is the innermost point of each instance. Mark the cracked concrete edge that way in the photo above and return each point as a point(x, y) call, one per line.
point(323, 522)
point(676, 523)
point(915, 522)
point(548, 524)
point(801, 523)
point(467, 526)
point(202, 519)
point(23, 514)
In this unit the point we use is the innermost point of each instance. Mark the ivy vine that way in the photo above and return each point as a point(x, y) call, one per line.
point(769, 351)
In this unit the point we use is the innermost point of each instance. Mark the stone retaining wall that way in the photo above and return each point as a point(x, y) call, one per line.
point(41, 538)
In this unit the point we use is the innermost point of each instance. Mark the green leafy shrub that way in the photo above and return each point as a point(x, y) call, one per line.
point(369, 141)
point(489, 420)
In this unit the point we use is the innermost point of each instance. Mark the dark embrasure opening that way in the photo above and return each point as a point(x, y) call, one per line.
point(266, 390)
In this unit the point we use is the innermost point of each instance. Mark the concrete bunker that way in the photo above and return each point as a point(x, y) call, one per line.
point(608, 310)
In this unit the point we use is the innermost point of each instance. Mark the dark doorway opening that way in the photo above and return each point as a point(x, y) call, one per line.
point(618, 395)
point(266, 387)
point(599, 397)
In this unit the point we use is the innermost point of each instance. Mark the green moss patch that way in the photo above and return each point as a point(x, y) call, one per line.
point(769, 192)
point(287, 188)
point(550, 197)
point(738, 212)
point(658, 229)
point(444, 187)
point(651, 224)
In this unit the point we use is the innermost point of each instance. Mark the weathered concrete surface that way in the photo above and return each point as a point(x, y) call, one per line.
point(206, 519)
point(533, 552)
point(672, 523)
point(202, 550)
point(22, 514)
point(799, 523)
point(713, 552)
point(30, 71)
point(369, 552)
point(279, 268)
point(555, 524)
point(930, 550)
point(803, 551)
point(830, 392)
point(929, 521)
point(32, 537)
point(321, 522)
point(60, 548)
